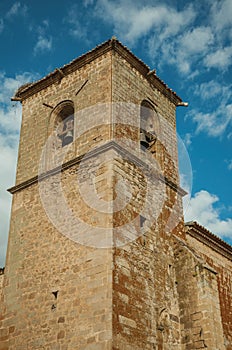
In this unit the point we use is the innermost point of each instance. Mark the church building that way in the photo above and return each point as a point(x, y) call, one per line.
point(99, 256)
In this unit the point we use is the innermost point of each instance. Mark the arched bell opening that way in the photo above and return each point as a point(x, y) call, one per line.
point(148, 135)
point(65, 122)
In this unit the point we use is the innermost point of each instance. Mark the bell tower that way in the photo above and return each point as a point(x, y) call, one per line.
point(90, 262)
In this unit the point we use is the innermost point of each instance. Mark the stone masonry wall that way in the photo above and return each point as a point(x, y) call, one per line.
point(37, 122)
point(145, 299)
point(223, 275)
point(58, 292)
point(130, 87)
point(200, 318)
point(3, 334)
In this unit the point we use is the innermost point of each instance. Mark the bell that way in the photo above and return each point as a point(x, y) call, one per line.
point(143, 140)
point(68, 137)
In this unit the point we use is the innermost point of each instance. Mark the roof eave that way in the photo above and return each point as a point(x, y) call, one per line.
point(203, 234)
point(113, 44)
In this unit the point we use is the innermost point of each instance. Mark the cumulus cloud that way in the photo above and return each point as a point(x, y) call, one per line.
point(168, 34)
point(213, 89)
point(202, 209)
point(215, 123)
point(173, 35)
point(132, 20)
point(189, 47)
point(216, 102)
point(196, 40)
point(221, 58)
point(221, 14)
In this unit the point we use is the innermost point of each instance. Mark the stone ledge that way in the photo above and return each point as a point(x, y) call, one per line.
point(111, 145)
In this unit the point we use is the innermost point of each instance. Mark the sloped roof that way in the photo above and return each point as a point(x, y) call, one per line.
point(29, 89)
point(203, 235)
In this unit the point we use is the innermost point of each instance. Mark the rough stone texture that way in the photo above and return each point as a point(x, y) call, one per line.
point(117, 273)
point(215, 271)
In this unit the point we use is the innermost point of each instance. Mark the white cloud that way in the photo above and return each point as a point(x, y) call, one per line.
point(172, 37)
point(9, 85)
point(215, 123)
point(216, 102)
point(162, 27)
point(10, 120)
point(43, 44)
point(8, 158)
point(196, 40)
point(217, 115)
point(221, 14)
point(203, 45)
point(16, 9)
point(185, 170)
point(221, 58)
point(188, 47)
point(1, 25)
point(212, 89)
point(133, 20)
point(180, 37)
point(202, 209)
point(88, 2)
point(188, 139)
point(79, 24)
point(229, 162)
point(44, 41)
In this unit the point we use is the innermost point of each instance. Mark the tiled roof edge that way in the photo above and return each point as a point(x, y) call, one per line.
point(204, 235)
point(29, 89)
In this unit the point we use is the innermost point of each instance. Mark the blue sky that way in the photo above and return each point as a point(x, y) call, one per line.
point(189, 43)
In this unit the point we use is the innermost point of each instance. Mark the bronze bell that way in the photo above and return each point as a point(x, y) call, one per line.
point(68, 137)
point(143, 140)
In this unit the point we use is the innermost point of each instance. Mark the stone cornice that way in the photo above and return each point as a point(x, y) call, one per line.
point(30, 89)
point(208, 238)
point(111, 145)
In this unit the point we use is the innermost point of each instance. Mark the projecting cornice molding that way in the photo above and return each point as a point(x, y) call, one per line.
point(111, 145)
point(208, 238)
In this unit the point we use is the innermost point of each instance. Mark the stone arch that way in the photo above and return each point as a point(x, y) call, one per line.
point(149, 126)
point(62, 122)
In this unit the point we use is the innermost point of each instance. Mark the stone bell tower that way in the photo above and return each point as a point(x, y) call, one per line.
point(96, 204)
